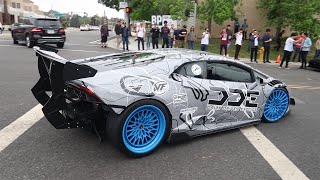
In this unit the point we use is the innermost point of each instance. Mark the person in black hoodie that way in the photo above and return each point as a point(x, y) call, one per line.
point(155, 31)
point(118, 31)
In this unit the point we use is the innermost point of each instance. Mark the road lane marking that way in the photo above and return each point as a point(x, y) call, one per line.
point(303, 87)
point(277, 160)
point(19, 126)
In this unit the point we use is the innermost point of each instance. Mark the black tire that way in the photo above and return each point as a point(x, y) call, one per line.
point(60, 45)
point(29, 43)
point(115, 124)
point(15, 41)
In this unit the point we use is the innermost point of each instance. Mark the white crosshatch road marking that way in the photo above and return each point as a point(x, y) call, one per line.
point(277, 160)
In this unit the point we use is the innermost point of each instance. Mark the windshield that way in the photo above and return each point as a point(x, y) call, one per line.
point(46, 23)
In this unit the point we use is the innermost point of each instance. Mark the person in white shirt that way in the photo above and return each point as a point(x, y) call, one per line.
point(205, 40)
point(288, 49)
point(140, 36)
point(239, 38)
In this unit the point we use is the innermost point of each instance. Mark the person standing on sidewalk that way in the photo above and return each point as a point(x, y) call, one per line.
point(182, 36)
point(297, 48)
point(177, 37)
point(317, 54)
point(125, 37)
point(278, 40)
point(239, 39)
point(288, 49)
point(148, 36)
point(191, 38)
point(165, 35)
point(266, 45)
point(229, 32)
point(305, 48)
point(254, 45)
point(140, 36)
point(224, 42)
point(205, 40)
point(155, 31)
point(245, 29)
point(171, 36)
point(104, 31)
point(118, 31)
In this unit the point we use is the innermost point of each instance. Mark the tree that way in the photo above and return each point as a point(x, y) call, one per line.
point(114, 4)
point(144, 9)
point(75, 22)
point(217, 10)
point(179, 8)
point(300, 16)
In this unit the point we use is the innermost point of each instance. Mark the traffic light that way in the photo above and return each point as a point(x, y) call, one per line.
point(128, 10)
point(187, 13)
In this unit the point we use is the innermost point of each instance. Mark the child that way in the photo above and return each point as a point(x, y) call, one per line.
point(317, 55)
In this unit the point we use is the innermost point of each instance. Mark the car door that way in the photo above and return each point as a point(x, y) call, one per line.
point(234, 95)
point(188, 103)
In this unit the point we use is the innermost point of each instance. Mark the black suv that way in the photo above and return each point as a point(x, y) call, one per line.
point(38, 30)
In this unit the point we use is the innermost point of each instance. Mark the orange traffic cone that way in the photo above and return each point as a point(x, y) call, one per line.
point(278, 59)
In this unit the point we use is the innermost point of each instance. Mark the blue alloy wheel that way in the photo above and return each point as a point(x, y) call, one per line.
point(276, 105)
point(144, 129)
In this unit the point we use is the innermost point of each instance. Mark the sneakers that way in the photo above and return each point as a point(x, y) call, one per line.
point(280, 67)
point(268, 62)
point(287, 68)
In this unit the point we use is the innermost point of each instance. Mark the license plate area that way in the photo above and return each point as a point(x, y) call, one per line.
point(50, 31)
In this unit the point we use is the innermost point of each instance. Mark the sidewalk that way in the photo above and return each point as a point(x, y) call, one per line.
point(133, 46)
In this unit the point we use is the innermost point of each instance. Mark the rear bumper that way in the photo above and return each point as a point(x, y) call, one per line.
point(48, 40)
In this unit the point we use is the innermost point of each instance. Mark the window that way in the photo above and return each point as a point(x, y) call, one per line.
point(13, 4)
point(18, 5)
point(228, 72)
point(46, 23)
point(194, 69)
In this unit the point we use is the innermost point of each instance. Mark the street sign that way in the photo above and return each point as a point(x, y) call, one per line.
point(123, 5)
point(58, 14)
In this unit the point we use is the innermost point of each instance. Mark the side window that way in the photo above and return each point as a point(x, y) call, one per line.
point(227, 72)
point(193, 69)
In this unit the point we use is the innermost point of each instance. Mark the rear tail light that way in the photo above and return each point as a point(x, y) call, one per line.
point(89, 94)
point(61, 30)
point(36, 30)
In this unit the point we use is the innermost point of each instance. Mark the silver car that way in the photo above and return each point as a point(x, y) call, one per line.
point(141, 99)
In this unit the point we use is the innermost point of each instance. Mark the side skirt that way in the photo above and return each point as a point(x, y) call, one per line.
point(183, 136)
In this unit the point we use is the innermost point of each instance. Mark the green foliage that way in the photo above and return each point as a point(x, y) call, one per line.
point(297, 14)
point(217, 10)
point(110, 3)
point(178, 9)
point(75, 21)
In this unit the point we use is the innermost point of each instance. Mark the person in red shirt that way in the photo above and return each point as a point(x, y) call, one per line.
point(224, 41)
point(297, 48)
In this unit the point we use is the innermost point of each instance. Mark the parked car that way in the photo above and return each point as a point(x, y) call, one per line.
point(85, 27)
point(141, 99)
point(34, 31)
point(315, 63)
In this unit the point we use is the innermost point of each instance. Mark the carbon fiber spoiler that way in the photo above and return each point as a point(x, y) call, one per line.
point(54, 72)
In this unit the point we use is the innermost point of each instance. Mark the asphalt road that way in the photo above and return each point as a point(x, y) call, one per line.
point(43, 152)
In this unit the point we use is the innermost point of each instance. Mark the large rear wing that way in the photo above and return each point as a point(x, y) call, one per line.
point(54, 72)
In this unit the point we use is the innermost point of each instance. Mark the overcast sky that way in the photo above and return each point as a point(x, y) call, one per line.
point(92, 7)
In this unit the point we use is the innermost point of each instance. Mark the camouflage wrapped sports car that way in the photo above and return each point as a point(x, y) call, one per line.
point(141, 99)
